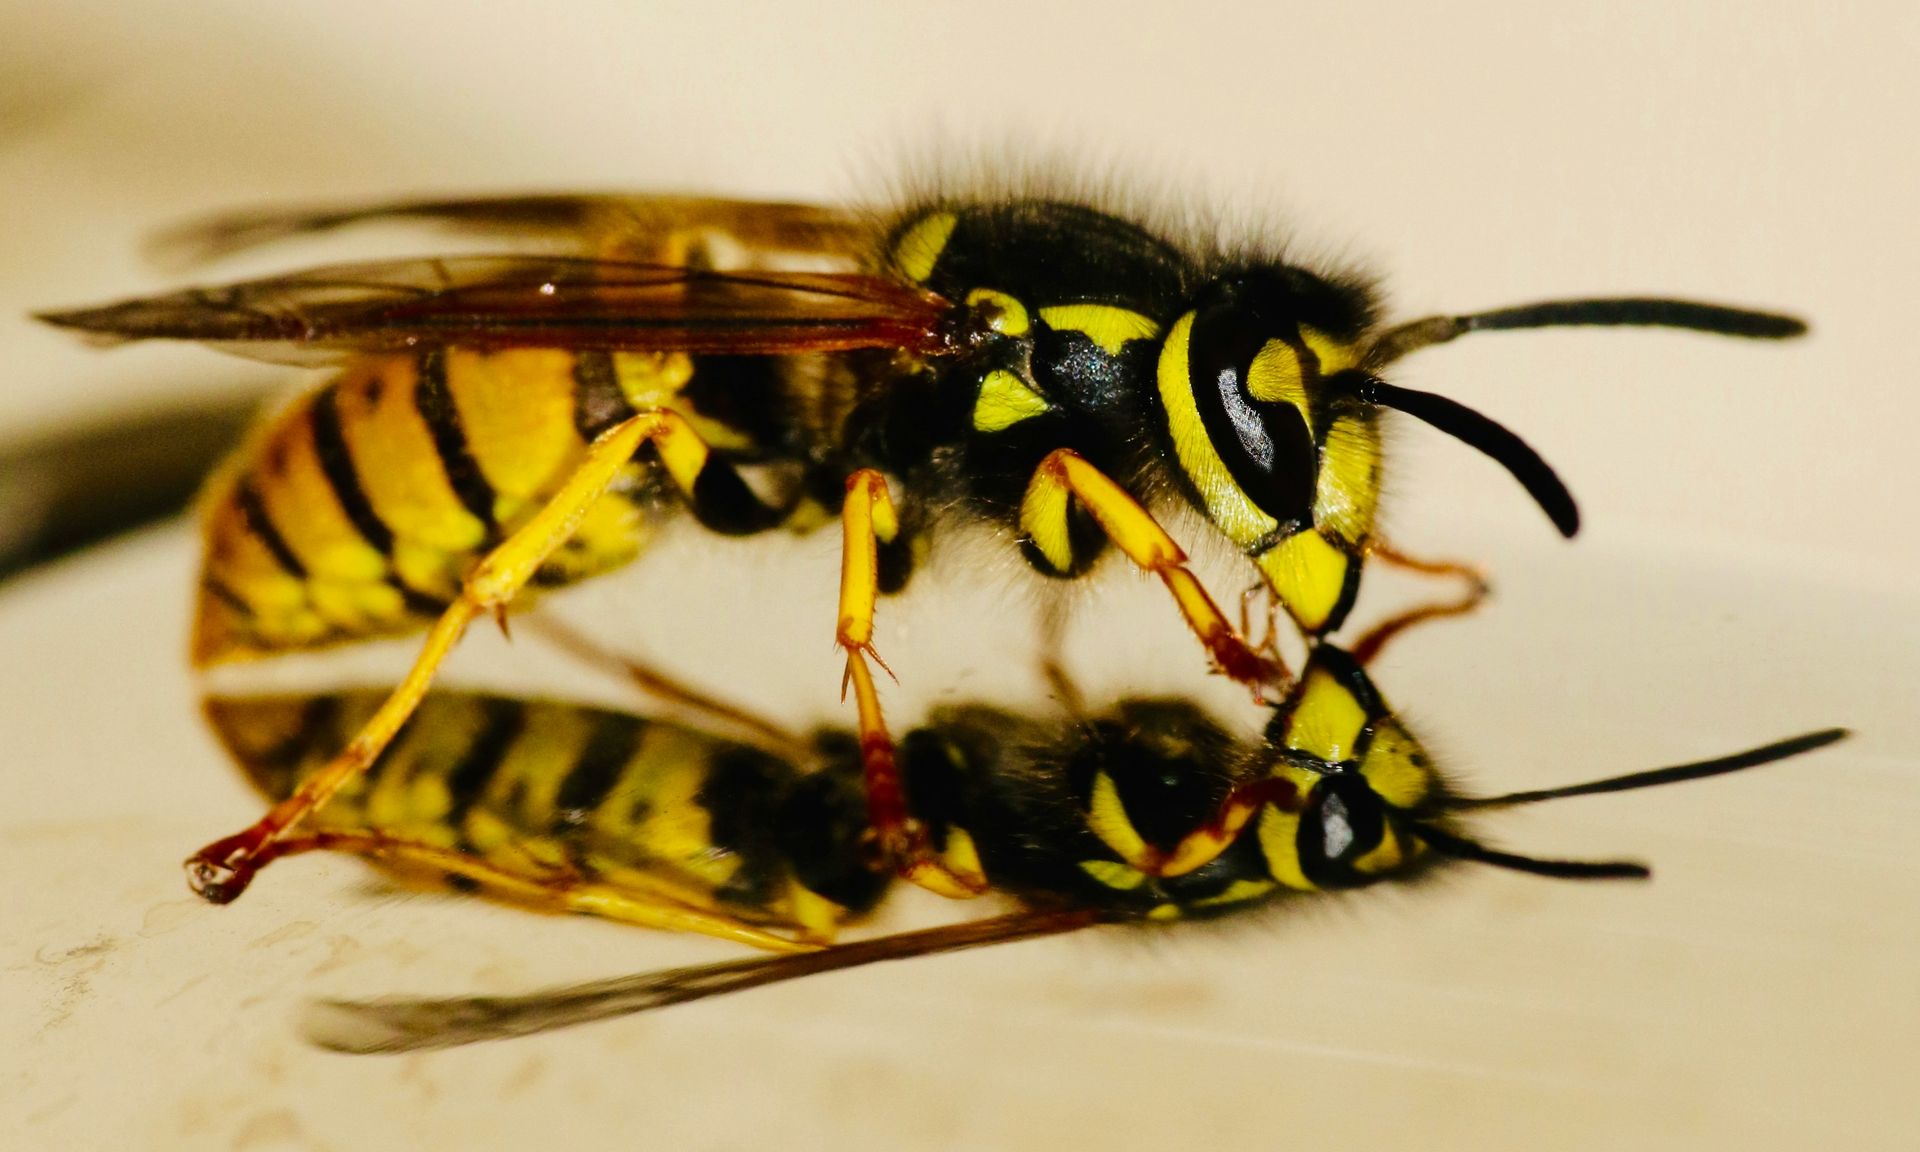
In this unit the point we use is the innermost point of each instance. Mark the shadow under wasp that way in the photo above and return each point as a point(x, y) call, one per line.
point(504, 422)
point(1139, 814)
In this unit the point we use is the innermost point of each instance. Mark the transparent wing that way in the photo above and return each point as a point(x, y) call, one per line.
point(636, 222)
point(529, 301)
point(399, 1025)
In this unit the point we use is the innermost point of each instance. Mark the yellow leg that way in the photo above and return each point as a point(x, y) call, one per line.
point(867, 519)
point(1203, 845)
point(1134, 530)
point(558, 890)
point(222, 870)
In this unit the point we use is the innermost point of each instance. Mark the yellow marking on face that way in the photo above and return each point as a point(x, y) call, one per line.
point(1326, 720)
point(394, 455)
point(1333, 355)
point(1115, 875)
point(1396, 766)
point(1309, 575)
point(1238, 892)
point(1277, 377)
point(919, 249)
point(1004, 401)
point(1043, 517)
point(1165, 912)
point(1385, 856)
point(516, 407)
point(1349, 485)
point(1107, 818)
point(1010, 316)
point(1227, 505)
point(1110, 328)
point(1280, 844)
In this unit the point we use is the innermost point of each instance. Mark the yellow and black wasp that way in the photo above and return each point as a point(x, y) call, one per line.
point(1146, 812)
point(504, 421)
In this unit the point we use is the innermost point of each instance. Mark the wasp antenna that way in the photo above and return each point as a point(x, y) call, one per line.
point(1639, 311)
point(1653, 777)
point(378, 1027)
point(1607, 312)
point(1489, 437)
point(1461, 848)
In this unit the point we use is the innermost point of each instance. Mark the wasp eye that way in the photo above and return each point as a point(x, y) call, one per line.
point(1264, 441)
point(1344, 821)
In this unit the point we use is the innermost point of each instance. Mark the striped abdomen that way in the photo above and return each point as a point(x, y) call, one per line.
point(645, 806)
point(357, 511)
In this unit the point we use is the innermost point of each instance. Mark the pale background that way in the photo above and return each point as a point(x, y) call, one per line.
point(1748, 572)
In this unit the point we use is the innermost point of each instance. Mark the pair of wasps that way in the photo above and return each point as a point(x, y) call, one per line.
point(501, 424)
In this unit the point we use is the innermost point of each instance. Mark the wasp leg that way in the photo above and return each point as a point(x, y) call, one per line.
point(1369, 645)
point(901, 840)
point(665, 687)
point(546, 889)
point(1066, 474)
point(1469, 574)
point(1476, 590)
point(868, 520)
point(222, 870)
point(1204, 844)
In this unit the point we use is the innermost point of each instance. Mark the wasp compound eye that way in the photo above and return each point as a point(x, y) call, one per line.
point(1262, 439)
point(1343, 823)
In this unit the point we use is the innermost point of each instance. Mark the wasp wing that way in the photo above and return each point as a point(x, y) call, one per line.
point(635, 224)
point(529, 301)
point(386, 1026)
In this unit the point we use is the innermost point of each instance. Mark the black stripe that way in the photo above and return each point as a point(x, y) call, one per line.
point(336, 464)
point(609, 750)
point(434, 401)
point(255, 512)
point(417, 602)
point(221, 592)
point(598, 402)
point(469, 779)
point(277, 769)
point(723, 502)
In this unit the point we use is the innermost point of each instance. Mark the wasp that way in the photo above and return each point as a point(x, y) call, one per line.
point(1143, 813)
point(1066, 374)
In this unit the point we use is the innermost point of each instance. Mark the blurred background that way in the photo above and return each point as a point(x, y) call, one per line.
point(1747, 571)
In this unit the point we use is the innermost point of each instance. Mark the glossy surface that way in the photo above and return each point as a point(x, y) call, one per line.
point(1747, 572)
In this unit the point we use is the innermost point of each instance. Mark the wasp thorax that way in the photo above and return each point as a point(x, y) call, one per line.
point(1152, 773)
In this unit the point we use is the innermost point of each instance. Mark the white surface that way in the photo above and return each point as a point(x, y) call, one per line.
point(1747, 573)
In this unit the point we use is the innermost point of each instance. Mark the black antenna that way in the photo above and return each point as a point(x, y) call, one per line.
point(1461, 848)
point(1481, 432)
point(1653, 777)
point(1620, 311)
